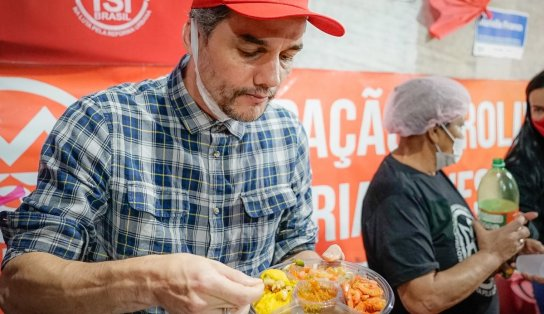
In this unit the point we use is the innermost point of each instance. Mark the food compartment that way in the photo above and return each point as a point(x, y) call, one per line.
point(315, 295)
point(364, 295)
point(278, 291)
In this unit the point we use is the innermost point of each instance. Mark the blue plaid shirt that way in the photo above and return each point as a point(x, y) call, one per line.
point(140, 169)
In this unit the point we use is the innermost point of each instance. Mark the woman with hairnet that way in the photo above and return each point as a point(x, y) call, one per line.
point(418, 230)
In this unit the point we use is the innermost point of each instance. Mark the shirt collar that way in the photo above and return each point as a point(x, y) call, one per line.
point(193, 118)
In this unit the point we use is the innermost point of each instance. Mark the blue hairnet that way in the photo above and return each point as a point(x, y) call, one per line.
point(421, 103)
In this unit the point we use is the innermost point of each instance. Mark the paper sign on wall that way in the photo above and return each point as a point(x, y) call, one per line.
point(502, 36)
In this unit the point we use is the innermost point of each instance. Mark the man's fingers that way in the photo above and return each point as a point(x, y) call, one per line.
point(333, 253)
point(235, 294)
point(236, 288)
point(236, 275)
point(243, 310)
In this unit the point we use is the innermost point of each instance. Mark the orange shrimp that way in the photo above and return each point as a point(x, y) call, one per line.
point(375, 304)
point(364, 295)
point(356, 295)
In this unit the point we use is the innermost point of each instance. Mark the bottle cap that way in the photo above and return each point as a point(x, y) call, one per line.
point(498, 163)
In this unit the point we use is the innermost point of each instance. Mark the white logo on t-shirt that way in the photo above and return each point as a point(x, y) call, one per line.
point(465, 242)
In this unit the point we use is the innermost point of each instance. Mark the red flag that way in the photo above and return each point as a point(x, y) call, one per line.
point(96, 32)
point(450, 15)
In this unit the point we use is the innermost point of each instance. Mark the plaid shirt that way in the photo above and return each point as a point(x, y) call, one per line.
point(140, 169)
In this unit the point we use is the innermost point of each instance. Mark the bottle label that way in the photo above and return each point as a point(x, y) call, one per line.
point(494, 220)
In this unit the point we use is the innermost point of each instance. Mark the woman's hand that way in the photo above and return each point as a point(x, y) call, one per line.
point(506, 241)
point(532, 246)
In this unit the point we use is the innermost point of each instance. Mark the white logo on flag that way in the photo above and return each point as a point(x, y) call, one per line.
point(113, 18)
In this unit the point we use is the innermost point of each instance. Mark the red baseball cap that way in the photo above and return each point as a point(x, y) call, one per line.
point(273, 9)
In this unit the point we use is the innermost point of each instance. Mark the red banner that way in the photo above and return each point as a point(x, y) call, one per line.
point(92, 31)
point(341, 112)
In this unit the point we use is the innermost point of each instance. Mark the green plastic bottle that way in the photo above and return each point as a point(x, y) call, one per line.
point(498, 196)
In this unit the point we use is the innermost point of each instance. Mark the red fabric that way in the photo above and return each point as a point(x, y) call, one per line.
point(78, 32)
point(450, 15)
point(271, 9)
point(515, 295)
point(17, 193)
point(539, 126)
point(213, 3)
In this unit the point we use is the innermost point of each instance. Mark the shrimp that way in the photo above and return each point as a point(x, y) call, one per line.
point(364, 295)
point(375, 304)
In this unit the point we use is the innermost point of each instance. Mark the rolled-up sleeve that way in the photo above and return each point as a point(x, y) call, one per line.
point(72, 188)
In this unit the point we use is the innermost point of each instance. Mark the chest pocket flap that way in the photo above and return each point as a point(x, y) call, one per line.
point(268, 201)
point(162, 202)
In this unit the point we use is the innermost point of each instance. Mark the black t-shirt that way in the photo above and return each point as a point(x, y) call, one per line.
point(413, 224)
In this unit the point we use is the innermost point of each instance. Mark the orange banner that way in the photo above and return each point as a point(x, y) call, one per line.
point(341, 112)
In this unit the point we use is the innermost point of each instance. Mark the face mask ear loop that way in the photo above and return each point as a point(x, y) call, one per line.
point(194, 43)
point(447, 132)
point(209, 102)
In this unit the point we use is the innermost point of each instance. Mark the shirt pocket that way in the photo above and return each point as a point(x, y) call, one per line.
point(155, 221)
point(270, 201)
point(263, 210)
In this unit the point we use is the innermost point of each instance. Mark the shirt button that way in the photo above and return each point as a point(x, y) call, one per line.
point(216, 211)
point(216, 154)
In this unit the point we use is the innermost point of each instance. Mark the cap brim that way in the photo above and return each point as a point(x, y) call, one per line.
point(266, 11)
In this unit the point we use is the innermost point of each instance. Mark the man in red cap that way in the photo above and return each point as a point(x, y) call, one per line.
point(173, 194)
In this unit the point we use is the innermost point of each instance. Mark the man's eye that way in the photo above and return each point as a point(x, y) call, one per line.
point(287, 58)
point(248, 54)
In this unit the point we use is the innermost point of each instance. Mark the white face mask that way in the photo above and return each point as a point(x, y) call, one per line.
point(206, 96)
point(446, 159)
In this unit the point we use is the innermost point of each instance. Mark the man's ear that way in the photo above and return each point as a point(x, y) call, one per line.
point(187, 36)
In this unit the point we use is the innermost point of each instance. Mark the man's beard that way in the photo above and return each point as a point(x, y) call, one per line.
point(227, 103)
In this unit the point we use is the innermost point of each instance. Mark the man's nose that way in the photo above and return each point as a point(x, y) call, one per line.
point(269, 73)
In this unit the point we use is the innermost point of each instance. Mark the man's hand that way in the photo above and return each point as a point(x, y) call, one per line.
point(333, 253)
point(189, 283)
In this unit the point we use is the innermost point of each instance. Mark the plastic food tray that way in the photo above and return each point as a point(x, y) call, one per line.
point(338, 303)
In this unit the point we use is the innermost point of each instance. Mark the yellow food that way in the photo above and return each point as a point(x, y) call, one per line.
point(278, 290)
